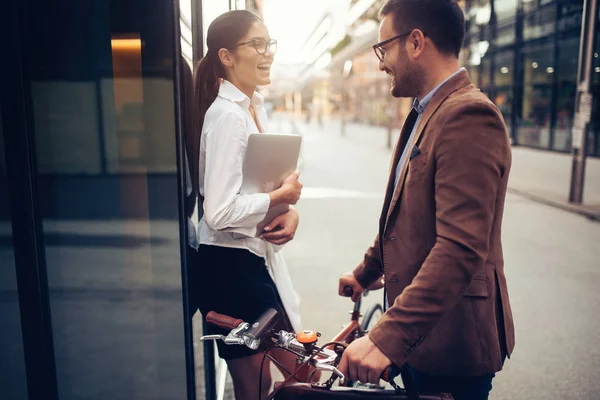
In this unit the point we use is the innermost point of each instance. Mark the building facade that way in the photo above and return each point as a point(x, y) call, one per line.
point(524, 55)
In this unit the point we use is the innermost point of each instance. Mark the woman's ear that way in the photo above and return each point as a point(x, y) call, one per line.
point(226, 57)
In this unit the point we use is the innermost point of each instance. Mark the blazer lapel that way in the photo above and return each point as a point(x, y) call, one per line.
point(402, 139)
point(458, 82)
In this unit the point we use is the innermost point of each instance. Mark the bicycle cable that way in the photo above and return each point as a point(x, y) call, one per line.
point(262, 363)
point(304, 364)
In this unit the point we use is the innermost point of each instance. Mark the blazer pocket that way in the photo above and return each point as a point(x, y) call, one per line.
point(416, 168)
point(477, 288)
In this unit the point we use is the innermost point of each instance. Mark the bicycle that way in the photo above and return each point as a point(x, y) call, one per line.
point(314, 358)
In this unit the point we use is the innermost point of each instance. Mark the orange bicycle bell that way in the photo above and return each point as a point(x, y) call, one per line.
point(308, 339)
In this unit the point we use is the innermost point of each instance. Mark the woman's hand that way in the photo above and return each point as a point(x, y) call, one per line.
point(283, 228)
point(289, 192)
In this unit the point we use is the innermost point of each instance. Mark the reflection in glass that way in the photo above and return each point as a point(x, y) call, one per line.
point(480, 12)
point(504, 100)
point(503, 70)
point(539, 23)
point(104, 113)
point(505, 35)
point(473, 71)
point(570, 17)
point(13, 383)
point(534, 127)
point(486, 69)
point(568, 56)
point(505, 10)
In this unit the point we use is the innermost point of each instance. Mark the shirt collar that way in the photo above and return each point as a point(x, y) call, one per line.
point(421, 105)
point(229, 91)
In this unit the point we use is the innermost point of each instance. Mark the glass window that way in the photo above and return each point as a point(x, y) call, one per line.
point(568, 57)
point(486, 65)
point(503, 70)
point(13, 379)
point(532, 5)
point(104, 127)
point(534, 125)
point(570, 15)
point(473, 71)
point(539, 23)
point(479, 14)
point(505, 35)
point(504, 100)
point(505, 10)
point(503, 80)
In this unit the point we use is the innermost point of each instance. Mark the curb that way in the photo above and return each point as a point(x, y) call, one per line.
point(594, 216)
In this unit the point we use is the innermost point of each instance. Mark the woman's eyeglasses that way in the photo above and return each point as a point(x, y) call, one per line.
point(260, 45)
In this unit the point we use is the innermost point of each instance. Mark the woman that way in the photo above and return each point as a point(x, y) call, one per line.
point(243, 274)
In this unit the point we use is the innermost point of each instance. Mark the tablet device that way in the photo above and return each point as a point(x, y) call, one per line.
point(270, 158)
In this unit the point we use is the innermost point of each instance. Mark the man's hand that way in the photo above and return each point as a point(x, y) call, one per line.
point(348, 279)
point(283, 228)
point(363, 361)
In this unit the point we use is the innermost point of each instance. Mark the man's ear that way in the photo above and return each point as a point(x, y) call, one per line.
point(416, 43)
point(226, 57)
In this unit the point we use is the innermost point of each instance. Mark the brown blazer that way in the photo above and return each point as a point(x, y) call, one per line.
point(439, 244)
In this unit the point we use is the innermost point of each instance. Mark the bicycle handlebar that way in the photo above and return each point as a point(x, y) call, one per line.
point(223, 321)
point(250, 335)
point(348, 291)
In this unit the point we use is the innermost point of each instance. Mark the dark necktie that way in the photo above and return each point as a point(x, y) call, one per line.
point(407, 129)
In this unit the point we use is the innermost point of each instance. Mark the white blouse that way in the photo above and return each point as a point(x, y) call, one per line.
point(231, 215)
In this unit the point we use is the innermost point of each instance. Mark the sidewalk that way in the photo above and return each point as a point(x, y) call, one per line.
point(539, 175)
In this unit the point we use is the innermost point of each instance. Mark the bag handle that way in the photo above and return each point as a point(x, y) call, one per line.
point(409, 385)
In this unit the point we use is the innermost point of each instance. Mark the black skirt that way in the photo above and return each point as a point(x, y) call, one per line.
point(234, 282)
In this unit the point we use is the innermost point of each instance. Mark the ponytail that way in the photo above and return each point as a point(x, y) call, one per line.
point(207, 77)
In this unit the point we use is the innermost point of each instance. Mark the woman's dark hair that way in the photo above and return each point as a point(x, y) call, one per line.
point(224, 32)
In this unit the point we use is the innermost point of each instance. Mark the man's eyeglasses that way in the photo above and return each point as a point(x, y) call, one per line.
point(260, 45)
point(380, 51)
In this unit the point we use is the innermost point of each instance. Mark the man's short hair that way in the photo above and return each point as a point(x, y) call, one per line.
point(441, 20)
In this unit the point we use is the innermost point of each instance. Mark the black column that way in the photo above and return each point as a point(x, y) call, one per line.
point(21, 169)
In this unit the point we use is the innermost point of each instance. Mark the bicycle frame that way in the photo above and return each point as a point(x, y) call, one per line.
point(347, 333)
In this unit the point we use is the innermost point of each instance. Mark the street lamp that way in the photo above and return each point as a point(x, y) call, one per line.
point(583, 111)
point(345, 74)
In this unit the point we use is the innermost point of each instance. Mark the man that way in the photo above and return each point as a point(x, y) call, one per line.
point(438, 246)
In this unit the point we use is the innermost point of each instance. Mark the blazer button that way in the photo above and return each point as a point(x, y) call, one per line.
point(391, 238)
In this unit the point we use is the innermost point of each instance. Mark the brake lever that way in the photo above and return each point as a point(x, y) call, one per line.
point(335, 374)
point(330, 368)
point(212, 337)
point(236, 336)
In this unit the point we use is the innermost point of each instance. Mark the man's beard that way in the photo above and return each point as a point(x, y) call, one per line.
point(398, 88)
point(407, 84)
